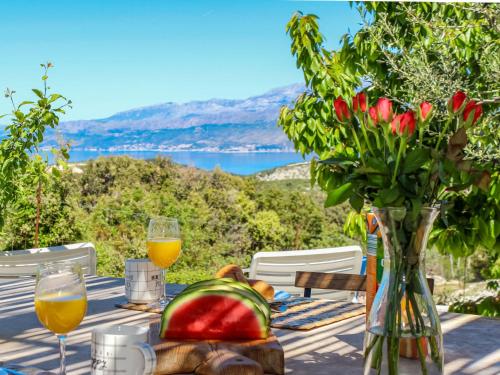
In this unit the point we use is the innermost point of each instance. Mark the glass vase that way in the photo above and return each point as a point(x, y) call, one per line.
point(403, 333)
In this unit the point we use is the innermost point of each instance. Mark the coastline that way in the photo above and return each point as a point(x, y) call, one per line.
point(238, 163)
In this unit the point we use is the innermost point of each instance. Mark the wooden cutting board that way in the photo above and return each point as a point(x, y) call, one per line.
point(213, 357)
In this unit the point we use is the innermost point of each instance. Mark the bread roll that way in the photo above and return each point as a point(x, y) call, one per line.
point(266, 290)
point(231, 271)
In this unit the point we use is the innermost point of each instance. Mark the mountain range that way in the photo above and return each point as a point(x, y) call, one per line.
point(216, 125)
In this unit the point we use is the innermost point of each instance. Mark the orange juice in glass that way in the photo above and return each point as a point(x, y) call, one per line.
point(163, 252)
point(164, 246)
point(61, 313)
point(60, 301)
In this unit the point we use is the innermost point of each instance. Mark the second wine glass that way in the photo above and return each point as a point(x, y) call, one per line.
point(60, 301)
point(164, 246)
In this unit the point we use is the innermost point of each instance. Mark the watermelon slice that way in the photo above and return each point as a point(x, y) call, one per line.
point(264, 308)
point(205, 314)
point(230, 284)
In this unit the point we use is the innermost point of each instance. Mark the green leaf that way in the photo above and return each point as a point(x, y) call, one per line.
point(377, 181)
point(54, 97)
point(65, 153)
point(338, 161)
point(339, 195)
point(487, 237)
point(377, 165)
point(357, 202)
point(26, 102)
point(388, 196)
point(19, 115)
point(409, 184)
point(415, 159)
point(38, 93)
point(367, 170)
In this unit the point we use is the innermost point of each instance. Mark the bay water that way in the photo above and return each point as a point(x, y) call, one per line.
point(241, 163)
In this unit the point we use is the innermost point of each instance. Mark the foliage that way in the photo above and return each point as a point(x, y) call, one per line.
point(392, 160)
point(224, 218)
point(355, 226)
point(485, 306)
point(59, 223)
point(407, 52)
point(22, 167)
point(473, 220)
point(484, 265)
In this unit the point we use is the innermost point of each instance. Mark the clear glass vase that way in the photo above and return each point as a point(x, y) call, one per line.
point(403, 333)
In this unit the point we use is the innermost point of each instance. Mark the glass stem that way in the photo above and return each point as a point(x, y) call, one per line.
point(62, 354)
point(163, 299)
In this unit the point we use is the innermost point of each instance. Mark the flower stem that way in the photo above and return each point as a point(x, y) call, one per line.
point(435, 355)
point(393, 355)
point(421, 355)
point(365, 135)
point(389, 139)
point(356, 139)
point(419, 321)
point(375, 346)
point(442, 133)
point(402, 146)
point(377, 140)
point(409, 315)
point(421, 136)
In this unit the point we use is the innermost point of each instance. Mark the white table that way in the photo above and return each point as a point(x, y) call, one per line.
point(472, 343)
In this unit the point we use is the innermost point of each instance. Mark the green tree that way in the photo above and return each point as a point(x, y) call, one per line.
point(22, 167)
point(408, 52)
point(60, 219)
point(266, 230)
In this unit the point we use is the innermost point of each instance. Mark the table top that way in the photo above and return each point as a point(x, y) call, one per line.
point(472, 343)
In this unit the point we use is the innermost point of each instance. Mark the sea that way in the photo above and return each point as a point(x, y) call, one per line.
point(241, 163)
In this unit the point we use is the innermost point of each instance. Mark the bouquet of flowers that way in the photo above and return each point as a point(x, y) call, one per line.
point(402, 164)
point(405, 159)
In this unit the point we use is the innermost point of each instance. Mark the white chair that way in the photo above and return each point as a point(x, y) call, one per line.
point(278, 268)
point(20, 263)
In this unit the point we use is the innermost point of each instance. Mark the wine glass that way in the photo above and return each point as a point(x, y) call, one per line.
point(60, 301)
point(164, 246)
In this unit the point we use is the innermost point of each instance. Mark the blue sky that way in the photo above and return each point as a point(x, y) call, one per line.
point(113, 55)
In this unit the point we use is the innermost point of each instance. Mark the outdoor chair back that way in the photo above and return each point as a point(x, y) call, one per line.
point(335, 281)
point(20, 263)
point(279, 268)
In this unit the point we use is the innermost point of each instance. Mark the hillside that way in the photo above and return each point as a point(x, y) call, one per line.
point(212, 125)
point(296, 171)
point(224, 218)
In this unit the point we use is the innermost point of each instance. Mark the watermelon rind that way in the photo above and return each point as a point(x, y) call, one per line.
point(263, 307)
point(233, 285)
point(227, 281)
point(180, 299)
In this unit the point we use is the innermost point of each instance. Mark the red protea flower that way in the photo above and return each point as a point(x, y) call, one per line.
point(425, 111)
point(404, 124)
point(341, 109)
point(384, 110)
point(457, 102)
point(470, 107)
point(372, 112)
point(360, 101)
